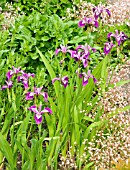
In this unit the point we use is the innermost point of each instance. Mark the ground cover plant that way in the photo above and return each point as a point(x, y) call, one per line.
point(56, 80)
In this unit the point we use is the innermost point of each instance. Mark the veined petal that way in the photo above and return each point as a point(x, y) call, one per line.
point(123, 36)
point(53, 80)
point(63, 49)
point(16, 70)
point(79, 47)
point(108, 12)
point(94, 50)
point(45, 95)
point(4, 87)
point(27, 75)
point(88, 20)
point(19, 78)
point(25, 83)
point(107, 47)
point(95, 80)
point(80, 75)
point(81, 23)
point(38, 118)
point(96, 23)
point(89, 74)
point(34, 109)
point(85, 62)
point(85, 81)
point(9, 85)
point(109, 35)
point(37, 91)
point(64, 81)
point(73, 53)
point(29, 95)
point(40, 108)
point(57, 51)
point(9, 74)
point(47, 109)
point(76, 57)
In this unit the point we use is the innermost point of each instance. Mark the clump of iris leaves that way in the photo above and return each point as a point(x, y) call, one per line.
point(50, 69)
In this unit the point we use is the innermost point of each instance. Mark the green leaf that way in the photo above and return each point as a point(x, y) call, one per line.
point(117, 111)
point(50, 70)
point(93, 125)
point(7, 151)
point(88, 118)
point(119, 83)
point(54, 138)
point(88, 165)
point(77, 39)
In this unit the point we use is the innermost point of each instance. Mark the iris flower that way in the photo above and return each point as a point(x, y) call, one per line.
point(63, 80)
point(89, 21)
point(9, 85)
point(107, 47)
point(10, 73)
point(99, 10)
point(38, 112)
point(37, 92)
point(85, 77)
point(63, 49)
point(82, 53)
point(120, 37)
point(24, 78)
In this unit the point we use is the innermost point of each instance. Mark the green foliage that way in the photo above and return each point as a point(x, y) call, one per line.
point(46, 7)
point(31, 43)
point(35, 30)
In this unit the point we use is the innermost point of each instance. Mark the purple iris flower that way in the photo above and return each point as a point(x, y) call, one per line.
point(107, 47)
point(75, 54)
point(85, 77)
point(120, 37)
point(27, 75)
point(24, 78)
point(85, 48)
point(80, 56)
point(81, 53)
point(63, 49)
point(38, 112)
point(89, 21)
point(10, 73)
point(64, 80)
point(9, 85)
point(99, 10)
point(37, 91)
point(24, 81)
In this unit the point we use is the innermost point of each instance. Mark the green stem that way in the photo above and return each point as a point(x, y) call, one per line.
point(39, 127)
point(9, 98)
